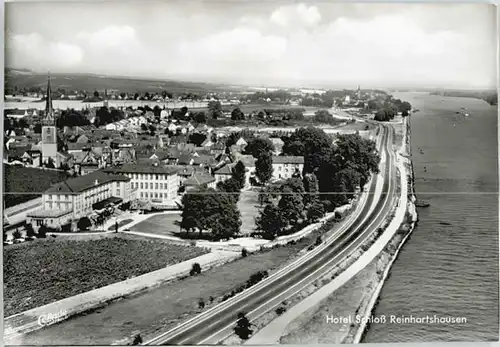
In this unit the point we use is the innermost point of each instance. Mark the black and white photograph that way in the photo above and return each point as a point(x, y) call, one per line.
point(263, 172)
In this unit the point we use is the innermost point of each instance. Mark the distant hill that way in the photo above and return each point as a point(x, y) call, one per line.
point(23, 78)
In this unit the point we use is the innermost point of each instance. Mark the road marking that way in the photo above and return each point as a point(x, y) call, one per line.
point(294, 293)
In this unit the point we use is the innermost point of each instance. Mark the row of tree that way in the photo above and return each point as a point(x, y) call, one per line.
point(332, 173)
point(388, 108)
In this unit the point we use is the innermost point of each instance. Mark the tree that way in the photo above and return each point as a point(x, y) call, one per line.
point(200, 117)
point(42, 232)
point(258, 145)
point(38, 128)
point(311, 143)
point(239, 174)
point(230, 186)
point(195, 269)
point(96, 94)
point(311, 188)
point(264, 168)
point(291, 205)
point(137, 340)
point(30, 232)
point(16, 234)
point(197, 139)
point(7, 124)
point(227, 224)
point(360, 152)
point(323, 116)
point(50, 164)
point(315, 211)
point(236, 114)
point(214, 109)
point(84, 223)
point(207, 210)
point(242, 328)
point(270, 222)
point(184, 110)
point(103, 116)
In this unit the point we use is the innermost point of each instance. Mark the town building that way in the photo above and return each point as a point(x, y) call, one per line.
point(285, 167)
point(224, 173)
point(68, 201)
point(200, 179)
point(151, 182)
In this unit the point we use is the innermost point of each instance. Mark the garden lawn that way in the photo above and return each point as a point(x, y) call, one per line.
point(121, 223)
point(249, 209)
point(44, 271)
point(162, 224)
point(24, 180)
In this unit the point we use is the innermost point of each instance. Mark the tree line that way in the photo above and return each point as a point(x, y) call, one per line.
point(332, 173)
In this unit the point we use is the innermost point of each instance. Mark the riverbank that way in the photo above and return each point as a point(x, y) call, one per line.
point(392, 250)
point(358, 297)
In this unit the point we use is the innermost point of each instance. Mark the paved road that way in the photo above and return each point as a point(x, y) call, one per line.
point(216, 324)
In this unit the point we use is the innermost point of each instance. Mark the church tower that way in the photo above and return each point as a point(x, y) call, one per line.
point(49, 134)
point(105, 99)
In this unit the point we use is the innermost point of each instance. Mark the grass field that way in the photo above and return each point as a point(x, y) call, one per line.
point(218, 282)
point(166, 224)
point(357, 126)
point(24, 180)
point(44, 271)
point(248, 206)
point(121, 223)
point(162, 224)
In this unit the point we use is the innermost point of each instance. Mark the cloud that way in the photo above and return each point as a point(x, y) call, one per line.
point(296, 15)
point(335, 44)
point(109, 37)
point(240, 44)
point(34, 51)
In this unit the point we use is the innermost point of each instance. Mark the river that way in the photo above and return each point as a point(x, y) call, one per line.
point(449, 266)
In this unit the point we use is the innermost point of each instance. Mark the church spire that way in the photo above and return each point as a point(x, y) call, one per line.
point(49, 109)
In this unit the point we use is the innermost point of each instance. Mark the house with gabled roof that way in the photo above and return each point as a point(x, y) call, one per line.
point(66, 202)
point(200, 179)
point(90, 161)
point(224, 173)
point(285, 167)
point(185, 159)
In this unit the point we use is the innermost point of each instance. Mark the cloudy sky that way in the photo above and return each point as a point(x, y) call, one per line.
point(260, 42)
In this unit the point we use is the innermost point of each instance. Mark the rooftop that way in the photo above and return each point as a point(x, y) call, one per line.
point(80, 184)
point(48, 213)
point(199, 179)
point(143, 168)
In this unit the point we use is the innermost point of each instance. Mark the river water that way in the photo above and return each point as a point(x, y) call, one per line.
point(449, 266)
